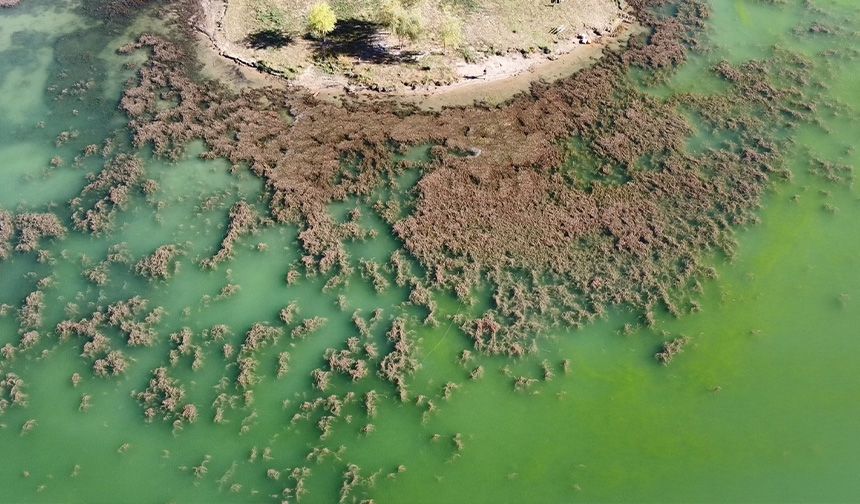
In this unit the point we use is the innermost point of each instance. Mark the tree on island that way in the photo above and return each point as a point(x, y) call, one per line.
point(409, 27)
point(451, 31)
point(405, 24)
point(321, 20)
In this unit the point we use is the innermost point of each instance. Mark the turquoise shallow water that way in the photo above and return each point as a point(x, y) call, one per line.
point(762, 406)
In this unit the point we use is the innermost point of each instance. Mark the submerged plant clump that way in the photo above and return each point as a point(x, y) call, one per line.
point(160, 265)
point(243, 220)
point(30, 315)
point(32, 228)
point(400, 362)
point(108, 191)
point(671, 349)
point(164, 397)
point(129, 317)
point(6, 233)
point(11, 392)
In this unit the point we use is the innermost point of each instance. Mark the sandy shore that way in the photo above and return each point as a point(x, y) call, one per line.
point(492, 80)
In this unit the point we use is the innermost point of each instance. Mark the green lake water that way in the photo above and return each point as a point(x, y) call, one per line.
point(763, 406)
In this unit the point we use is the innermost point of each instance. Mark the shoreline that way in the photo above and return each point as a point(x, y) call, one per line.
point(493, 80)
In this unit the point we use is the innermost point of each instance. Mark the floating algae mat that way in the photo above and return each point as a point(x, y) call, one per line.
point(636, 284)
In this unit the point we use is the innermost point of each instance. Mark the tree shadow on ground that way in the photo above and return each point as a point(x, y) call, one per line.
point(363, 40)
point(268, 39)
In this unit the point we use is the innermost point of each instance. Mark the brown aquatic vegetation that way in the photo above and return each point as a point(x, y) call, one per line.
point(372, 272)
point(259, 335)
point(838, 173)
point(247, 376)
point(139, 332)
point(28, 340)
point(292, 277)
point(32, 227)
point(283, 364)
point(217, 333)
point(161, 265)
point(119, 254)
point(86, 403)
point(566, 366)
point(256, 338)
point(288, 313)
point(243, 220)
point(330, 407)
point(113, 364)
point(8, 351)
point(345, 362)
point(30, 315)
point(28, 426)
point(85, 327)
point(130, 317)
point(477, 373)
point(107, 192)
point(12, 392)
point(420, 295)
point(671, 349)
point(182, 345)
point(448, 390)
point(91, 150)
point(325, 425)
point(164, 396)
point(370, 403)
point(548, 373)
point(98, 274)
point(401, 361)
point(321, 379)
point(189, 413)
point(298, 490)
point(488, 336)
point(457, 439)
point(7, 231)
point(223, 402)
point(227, 291)
point(361, 324)
point(401, 266)
point(523, 383)
point(352, 479)
point(307, 327)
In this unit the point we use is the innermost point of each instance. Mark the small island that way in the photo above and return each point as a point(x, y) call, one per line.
point(407, 46)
